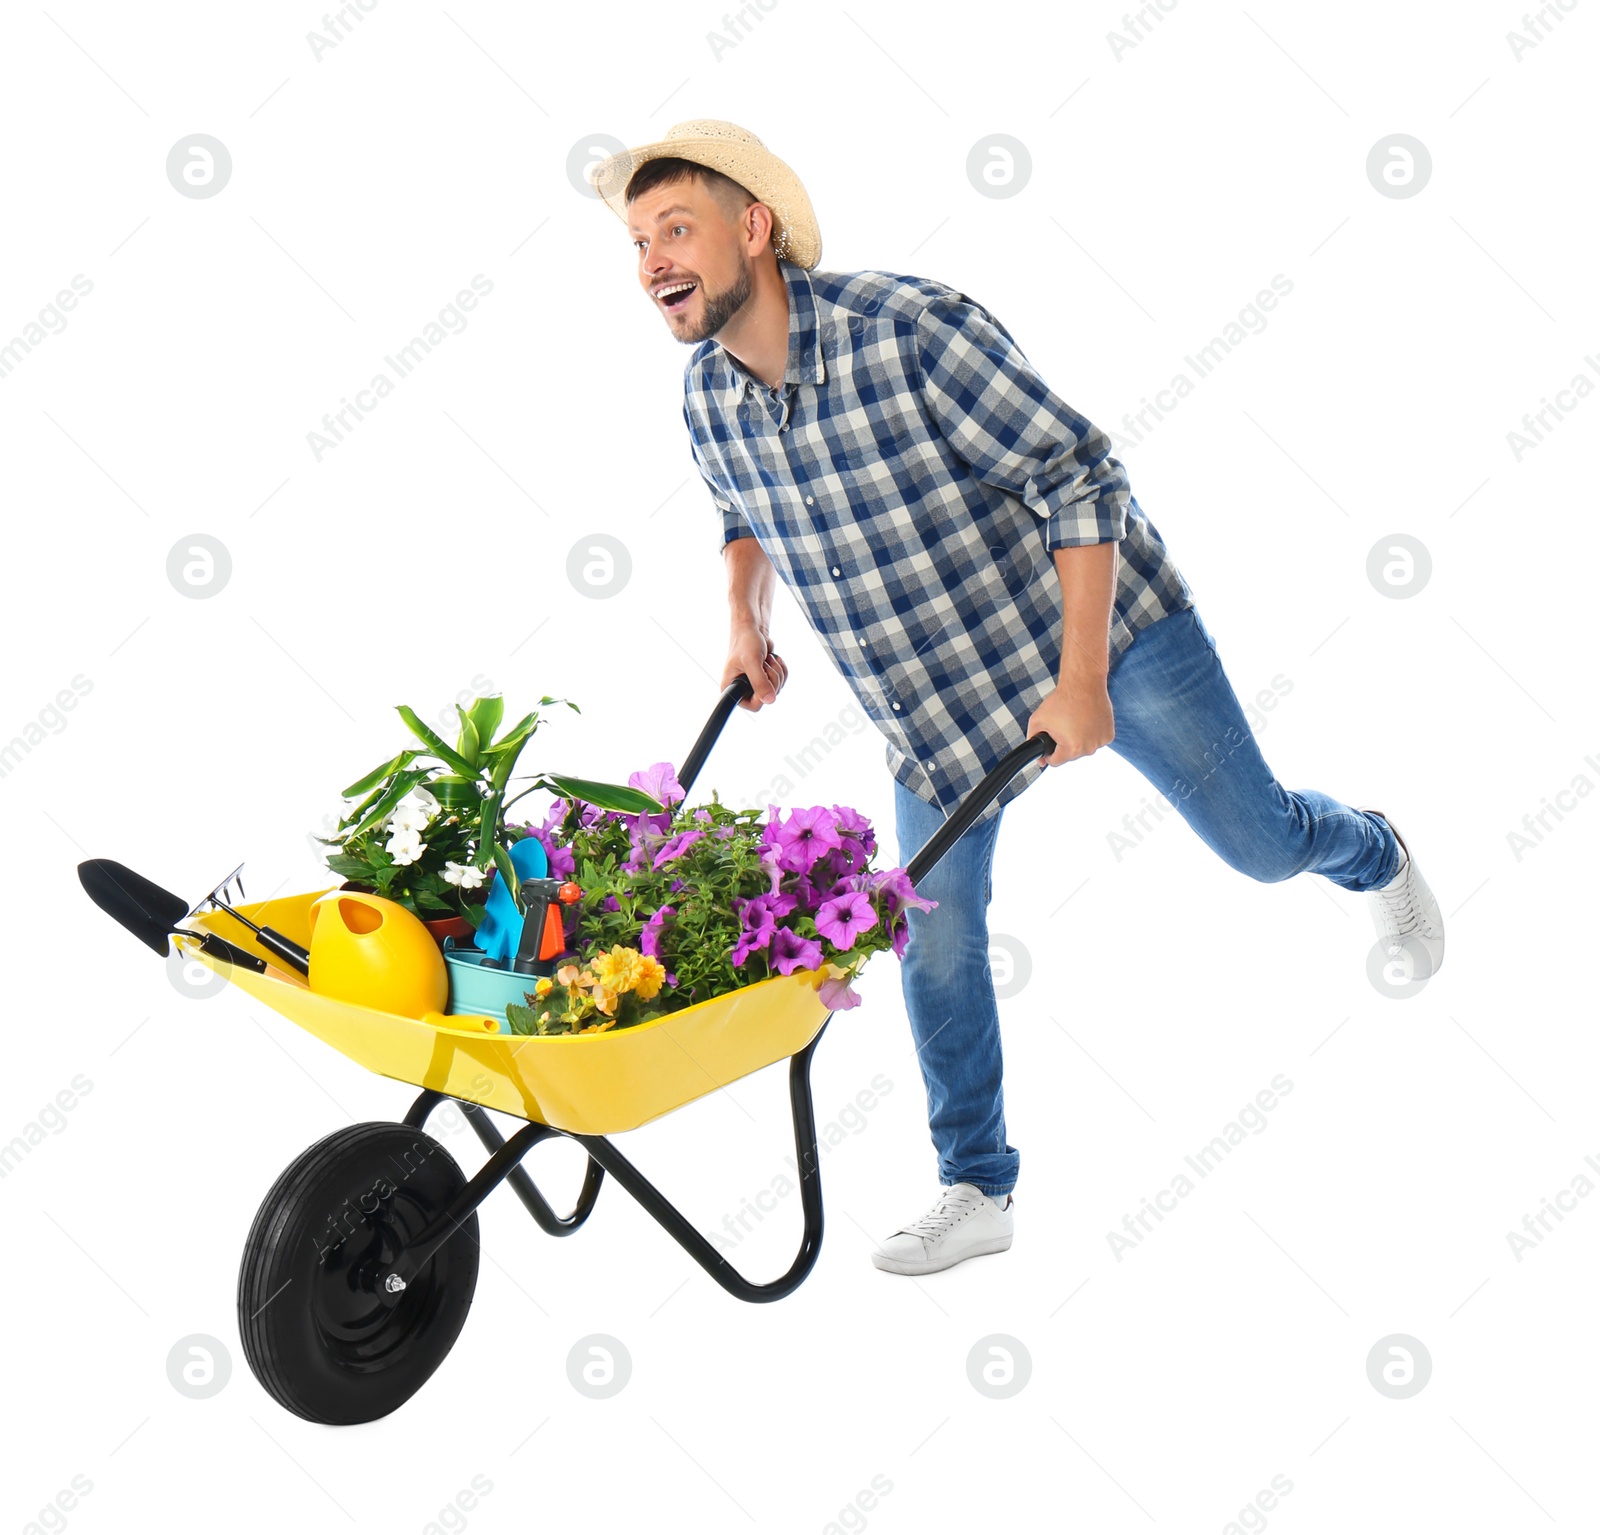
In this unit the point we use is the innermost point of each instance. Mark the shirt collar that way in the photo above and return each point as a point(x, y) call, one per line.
point(805, 363)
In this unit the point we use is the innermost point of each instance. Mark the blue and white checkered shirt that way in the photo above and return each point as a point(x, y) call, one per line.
point(909, 482)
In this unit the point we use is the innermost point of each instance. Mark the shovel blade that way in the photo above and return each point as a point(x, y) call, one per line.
point(141, 906)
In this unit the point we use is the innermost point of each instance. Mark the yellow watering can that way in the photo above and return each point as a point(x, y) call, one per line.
point(372, 951)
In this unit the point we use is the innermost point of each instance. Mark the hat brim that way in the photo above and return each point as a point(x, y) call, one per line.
point(767, 178)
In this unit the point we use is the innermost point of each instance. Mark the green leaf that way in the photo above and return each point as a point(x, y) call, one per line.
point(608, 796)
point(488, 829)
point(455, 792)
point(502, 861)
point(349, 867)
point(469, 742)
point(500, 774)
point(403, 784)
point(376, 776)
point(515, 736)
point(446, 754)
point(486, 715)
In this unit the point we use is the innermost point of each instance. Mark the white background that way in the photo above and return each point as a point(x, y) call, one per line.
point(1167, 188)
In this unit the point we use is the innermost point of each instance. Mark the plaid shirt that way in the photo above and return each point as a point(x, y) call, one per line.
point(909, 482)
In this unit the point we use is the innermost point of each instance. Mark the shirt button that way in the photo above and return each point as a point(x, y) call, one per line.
point(811, 501)
point(894, 706)
point(930, 765)
point(861, 640)
point(836, 570)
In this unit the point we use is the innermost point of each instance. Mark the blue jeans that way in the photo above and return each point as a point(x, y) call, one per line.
point(1179, 723)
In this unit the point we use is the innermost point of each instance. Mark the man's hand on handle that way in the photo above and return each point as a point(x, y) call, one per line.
point(750, 651)
point(1078, 717)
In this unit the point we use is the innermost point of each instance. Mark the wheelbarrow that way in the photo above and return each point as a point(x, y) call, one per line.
point(361, 1263)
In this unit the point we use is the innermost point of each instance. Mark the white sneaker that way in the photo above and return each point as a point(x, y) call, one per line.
point(1404, 912)
point(963, 1224)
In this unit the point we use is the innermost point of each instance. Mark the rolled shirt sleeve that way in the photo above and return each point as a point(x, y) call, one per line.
point(733, 521)
point(1002, 419)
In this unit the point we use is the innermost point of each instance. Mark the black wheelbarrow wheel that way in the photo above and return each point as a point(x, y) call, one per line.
point(321, 1329)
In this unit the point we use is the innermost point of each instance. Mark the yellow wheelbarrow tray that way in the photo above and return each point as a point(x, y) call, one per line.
point(583, 1084)
point(362, 1260)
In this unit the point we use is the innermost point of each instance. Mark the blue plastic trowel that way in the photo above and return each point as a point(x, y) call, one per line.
point(500, 932)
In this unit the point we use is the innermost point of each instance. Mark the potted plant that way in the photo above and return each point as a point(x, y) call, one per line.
point(428, 831)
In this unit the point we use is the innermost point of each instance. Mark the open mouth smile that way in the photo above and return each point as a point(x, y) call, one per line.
point(675, 295)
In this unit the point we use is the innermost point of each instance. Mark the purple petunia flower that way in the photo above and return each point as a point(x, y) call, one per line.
point(900, 932)
point(897, 886)
point(857, 828)
point(843, 918)
point(810, 893)
point(851, 855)
point(837, 995)
point(650, 936)
point(789, 952)
point(611, 903)
point(561, 860)
point(674, 846)
point(805, 836)
point(749, 943)
point(587, 814)
point(771, 861)
point(660, 781)
point(779, 902)
point(641, 849)
point(757, 925)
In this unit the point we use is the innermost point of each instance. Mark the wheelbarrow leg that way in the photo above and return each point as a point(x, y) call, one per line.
point(538, 1207)
point(527, 1191)
point(698, 1248)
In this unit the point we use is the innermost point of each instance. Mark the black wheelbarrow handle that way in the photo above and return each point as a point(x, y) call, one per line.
point(1041, 744)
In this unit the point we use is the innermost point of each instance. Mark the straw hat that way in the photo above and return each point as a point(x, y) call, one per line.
point(737, 153)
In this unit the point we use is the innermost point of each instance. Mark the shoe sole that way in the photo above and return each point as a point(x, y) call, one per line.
point(901, 1266)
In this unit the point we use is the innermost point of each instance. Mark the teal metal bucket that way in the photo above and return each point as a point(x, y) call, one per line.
point(476, 990)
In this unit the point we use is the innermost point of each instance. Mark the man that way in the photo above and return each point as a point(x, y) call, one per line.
point(977, 568)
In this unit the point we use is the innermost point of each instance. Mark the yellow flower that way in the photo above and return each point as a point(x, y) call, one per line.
point(620, 970)
point(649, 977)
point(605, 1000)
point(543, 986)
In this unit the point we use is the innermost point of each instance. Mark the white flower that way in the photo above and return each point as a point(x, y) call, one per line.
point(405, 846)
point(463, 874)
point(414, 815)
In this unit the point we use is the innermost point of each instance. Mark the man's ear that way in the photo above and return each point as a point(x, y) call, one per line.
point(756, 222)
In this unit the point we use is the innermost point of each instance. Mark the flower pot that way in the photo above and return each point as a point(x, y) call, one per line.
point(448, 927)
